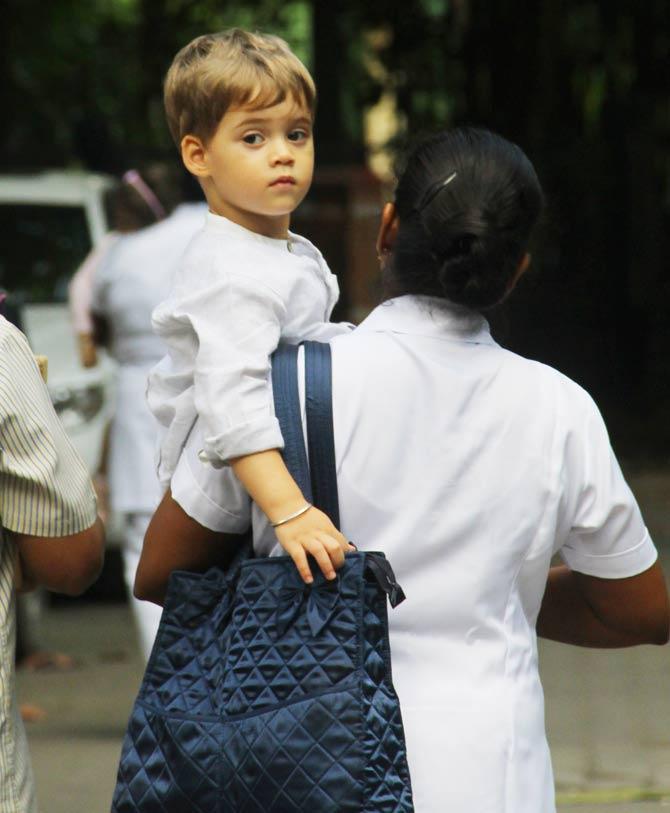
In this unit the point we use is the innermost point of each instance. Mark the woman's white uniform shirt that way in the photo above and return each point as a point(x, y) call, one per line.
point(469, 466)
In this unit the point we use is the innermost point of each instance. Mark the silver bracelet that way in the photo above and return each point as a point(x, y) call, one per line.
point(295, 515)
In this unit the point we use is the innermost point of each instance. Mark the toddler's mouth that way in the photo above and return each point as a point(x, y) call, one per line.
point(284, 180)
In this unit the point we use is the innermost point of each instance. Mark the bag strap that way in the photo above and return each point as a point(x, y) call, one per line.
point(320, 439)
point(287, 410)
point(317, 479)
point(320, 435)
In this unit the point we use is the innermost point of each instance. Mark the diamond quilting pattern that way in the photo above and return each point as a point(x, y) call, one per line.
point(186, 665)
point(265, 668)
point(304, 756)
point(240, 714)
point(168, 766)
point(387, 781)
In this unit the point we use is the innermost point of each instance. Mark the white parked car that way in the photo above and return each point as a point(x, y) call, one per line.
point(48, 224)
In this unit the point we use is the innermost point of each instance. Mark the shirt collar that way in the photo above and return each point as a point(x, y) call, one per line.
point(428, 316)
point(233, 230)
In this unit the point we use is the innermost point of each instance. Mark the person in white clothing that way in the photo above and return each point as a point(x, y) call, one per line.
point(134, 276)
point(469, 467)
point(133, 205)
point(240, 107)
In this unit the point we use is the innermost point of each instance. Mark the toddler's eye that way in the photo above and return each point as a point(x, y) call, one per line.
point(298, 135)
point(252, 138)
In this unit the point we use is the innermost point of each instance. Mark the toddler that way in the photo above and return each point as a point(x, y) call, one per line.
point(240, 107)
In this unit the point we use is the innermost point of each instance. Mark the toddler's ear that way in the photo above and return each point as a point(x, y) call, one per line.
point(194, 156)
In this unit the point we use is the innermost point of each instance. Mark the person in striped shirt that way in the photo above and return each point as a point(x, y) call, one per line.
point(51, 534)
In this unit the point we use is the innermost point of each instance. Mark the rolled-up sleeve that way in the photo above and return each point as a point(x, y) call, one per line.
point(607, 536)
point(233, 327)
point(215, 499)
point(45, 489)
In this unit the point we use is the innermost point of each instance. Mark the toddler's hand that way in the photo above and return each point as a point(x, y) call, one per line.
point(313, 533)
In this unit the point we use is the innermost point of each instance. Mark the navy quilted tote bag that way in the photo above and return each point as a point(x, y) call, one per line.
point(264, 695)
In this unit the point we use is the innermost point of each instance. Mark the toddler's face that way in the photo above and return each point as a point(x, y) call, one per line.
point(260, 165)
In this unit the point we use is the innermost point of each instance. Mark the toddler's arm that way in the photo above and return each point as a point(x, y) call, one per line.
point(270, 485)
point(229, 329)
point(219, 330)
point(220, 334)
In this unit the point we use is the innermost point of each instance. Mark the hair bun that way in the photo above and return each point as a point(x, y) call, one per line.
point(467, 202)
point(466, 276)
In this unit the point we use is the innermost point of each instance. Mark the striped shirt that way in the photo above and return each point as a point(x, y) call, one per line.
point(45, 490)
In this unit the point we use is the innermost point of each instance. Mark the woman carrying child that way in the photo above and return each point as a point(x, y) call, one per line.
point(469, 467)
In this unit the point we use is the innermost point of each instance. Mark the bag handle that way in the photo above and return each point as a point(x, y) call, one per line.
point(317, 478)
point(321, 470)
point(287, 410)
point(320, 435)
point(321, 446)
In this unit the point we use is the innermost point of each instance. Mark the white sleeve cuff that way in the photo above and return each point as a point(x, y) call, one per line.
point(203, 493)
point(249, 438)
point(618, 565)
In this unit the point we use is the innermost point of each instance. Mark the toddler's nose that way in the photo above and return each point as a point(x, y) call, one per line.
point(282, 155)
point(283, 160)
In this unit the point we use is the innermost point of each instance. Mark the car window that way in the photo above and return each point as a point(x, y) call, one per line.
point(40, 248)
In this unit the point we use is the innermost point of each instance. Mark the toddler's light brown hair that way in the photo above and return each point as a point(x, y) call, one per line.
point(232, 68)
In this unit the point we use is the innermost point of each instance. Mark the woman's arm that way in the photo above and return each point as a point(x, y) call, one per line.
point(605, 613)
point(175, 541)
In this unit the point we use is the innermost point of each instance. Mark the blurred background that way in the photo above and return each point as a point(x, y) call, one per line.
point(583, 86)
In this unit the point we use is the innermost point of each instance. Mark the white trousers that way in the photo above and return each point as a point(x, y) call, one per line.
point(146, 614)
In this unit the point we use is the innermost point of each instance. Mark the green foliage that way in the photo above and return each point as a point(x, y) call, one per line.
point(446, 59)
point(435, 8)
point(581, 85)
point(93, 69)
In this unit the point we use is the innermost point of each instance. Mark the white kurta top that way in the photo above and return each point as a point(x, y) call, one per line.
point(237, 293)
point(134, 276)
point(468, 466)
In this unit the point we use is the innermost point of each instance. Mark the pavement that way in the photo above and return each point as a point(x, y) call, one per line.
point(608, 713)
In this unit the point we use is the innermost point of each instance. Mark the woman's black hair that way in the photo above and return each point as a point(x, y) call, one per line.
point(466, 202)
